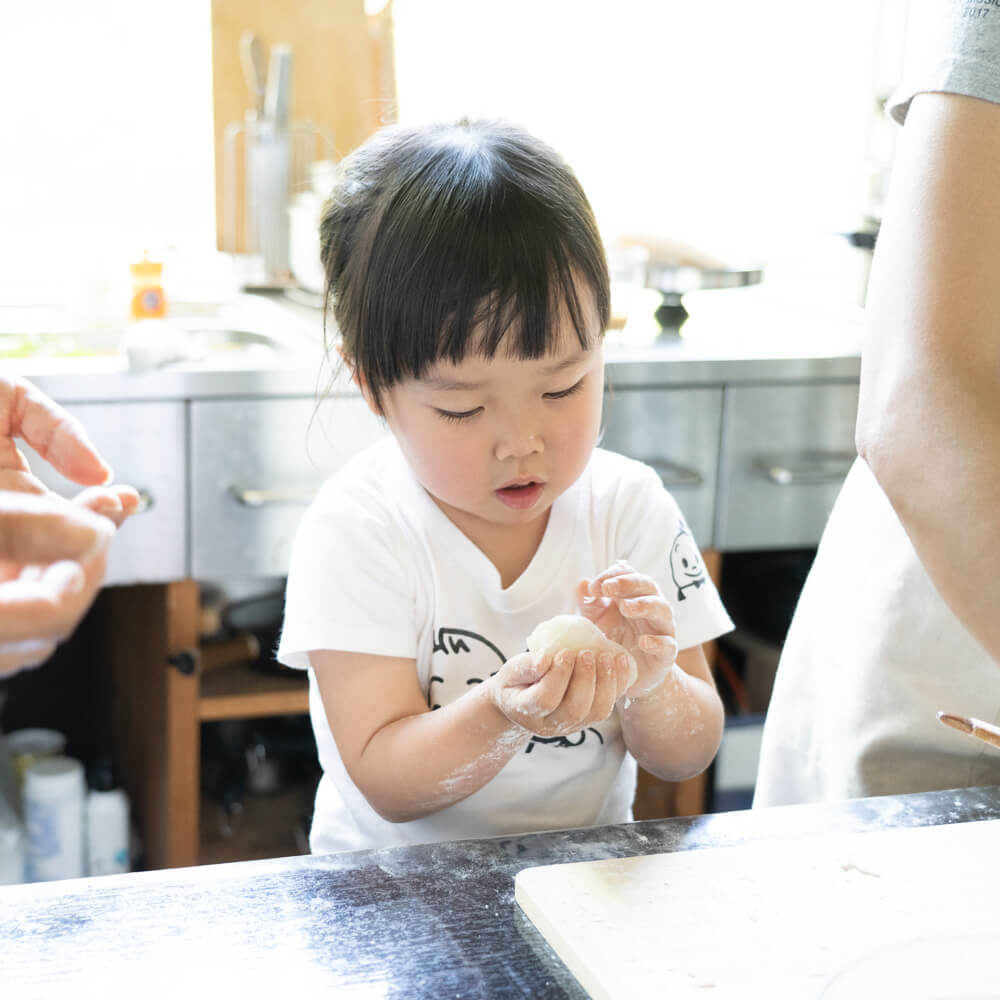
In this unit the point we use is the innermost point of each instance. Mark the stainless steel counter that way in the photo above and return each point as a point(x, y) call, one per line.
point(669, 364)
point(792, 345)
point(748, 417)
point(432, 921)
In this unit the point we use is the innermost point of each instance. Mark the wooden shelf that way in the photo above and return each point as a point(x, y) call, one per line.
point(241, 692)
point(270, 826)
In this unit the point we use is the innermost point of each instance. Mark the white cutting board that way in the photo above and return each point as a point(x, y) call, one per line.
point(901, 913)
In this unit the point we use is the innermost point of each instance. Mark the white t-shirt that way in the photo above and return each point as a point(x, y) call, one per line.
point(378, 568)
point(873, 653)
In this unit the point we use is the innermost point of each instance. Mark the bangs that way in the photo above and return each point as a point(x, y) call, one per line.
point(484, 246)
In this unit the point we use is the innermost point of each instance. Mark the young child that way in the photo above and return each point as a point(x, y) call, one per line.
point(471, 292)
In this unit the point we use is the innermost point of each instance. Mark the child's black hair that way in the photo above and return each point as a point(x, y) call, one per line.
point(431, 231)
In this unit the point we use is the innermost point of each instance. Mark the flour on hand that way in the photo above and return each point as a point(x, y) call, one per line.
point(576, 632)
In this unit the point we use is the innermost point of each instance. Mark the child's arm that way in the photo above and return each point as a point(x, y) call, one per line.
point(672, 716)
point(675, 730)
point(409, 761)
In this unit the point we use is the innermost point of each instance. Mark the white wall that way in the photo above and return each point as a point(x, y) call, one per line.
point(741, 126)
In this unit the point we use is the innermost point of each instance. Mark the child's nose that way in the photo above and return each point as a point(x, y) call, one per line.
point(518, 442)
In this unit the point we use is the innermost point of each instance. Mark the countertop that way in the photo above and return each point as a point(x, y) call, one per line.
point(432, 922)
point(742, 343)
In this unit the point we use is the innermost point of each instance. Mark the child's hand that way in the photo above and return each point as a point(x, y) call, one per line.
point(561, 694)
point(629, 609)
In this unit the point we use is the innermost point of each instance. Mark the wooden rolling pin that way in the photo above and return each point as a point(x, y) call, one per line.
point(225, 652)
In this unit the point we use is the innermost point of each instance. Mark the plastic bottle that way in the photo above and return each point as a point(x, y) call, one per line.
point(11, 827)
point(54, 796)
point(107, 823)
point(148, 300)
point(8, 781)
point(11, 844)
point(27, 746)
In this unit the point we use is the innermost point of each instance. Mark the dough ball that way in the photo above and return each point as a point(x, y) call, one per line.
point(576, 632)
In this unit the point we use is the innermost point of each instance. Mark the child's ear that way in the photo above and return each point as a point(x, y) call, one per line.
point(359, 380)
point(366, 394)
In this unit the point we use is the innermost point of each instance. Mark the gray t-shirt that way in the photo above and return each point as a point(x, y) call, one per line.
point(962, 56)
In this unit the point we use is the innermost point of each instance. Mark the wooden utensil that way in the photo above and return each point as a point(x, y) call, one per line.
point(225, 652)
point(973, 727)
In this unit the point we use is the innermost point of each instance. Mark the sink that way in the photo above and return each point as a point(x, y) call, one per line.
point(181, 345)
point(187, 343)
point(51, 345)
point(236, 340)
point(221, 339)
point(246, 333)
point(199, 346)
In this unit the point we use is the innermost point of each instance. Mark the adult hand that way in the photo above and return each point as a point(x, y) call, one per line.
point(53, 552)
point(629, 609)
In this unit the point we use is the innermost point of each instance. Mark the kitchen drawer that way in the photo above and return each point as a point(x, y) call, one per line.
point(145, 445)
point(785, 452)
point(676, 431)
point(255, 466)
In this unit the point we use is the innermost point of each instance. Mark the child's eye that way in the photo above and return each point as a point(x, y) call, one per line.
point(565, 392)
point(457, 417)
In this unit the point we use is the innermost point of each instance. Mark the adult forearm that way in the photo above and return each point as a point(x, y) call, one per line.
point(928, 422)
point(418, 765)
point(934, 453)
point(674, 731)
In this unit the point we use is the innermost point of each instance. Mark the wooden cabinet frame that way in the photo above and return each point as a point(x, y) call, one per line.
point(151, 711)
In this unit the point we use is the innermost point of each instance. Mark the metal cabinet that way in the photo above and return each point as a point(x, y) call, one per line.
point(255, 465)
point(676, 431)
point(144, 442)
point(786, 449)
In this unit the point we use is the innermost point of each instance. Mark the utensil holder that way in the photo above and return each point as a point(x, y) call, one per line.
point(264, 164)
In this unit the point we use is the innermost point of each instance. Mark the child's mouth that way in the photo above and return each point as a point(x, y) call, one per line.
point(521, 496)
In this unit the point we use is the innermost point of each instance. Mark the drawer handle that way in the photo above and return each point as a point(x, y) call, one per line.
point(146, 499)
point(807, 468)
point(250, 497)
point(673, 474)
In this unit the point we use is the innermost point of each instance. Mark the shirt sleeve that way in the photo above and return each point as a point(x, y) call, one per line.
point(349, 583)
point(959, 54)
point(655, 539)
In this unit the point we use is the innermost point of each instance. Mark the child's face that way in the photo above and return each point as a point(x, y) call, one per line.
point(495, 441)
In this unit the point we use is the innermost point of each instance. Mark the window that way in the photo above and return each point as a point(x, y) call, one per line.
point(107, 148)
point(746, 128)
point(749, 129)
